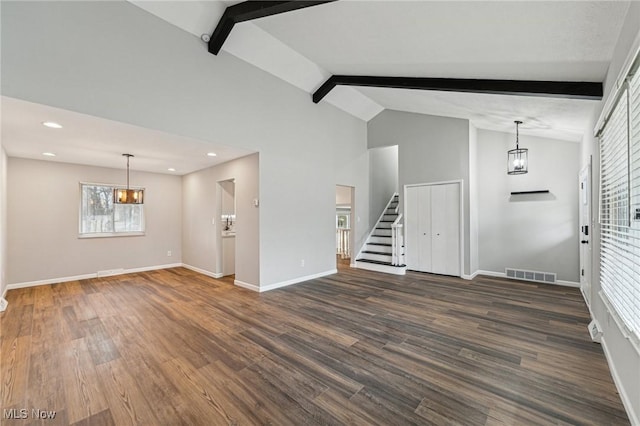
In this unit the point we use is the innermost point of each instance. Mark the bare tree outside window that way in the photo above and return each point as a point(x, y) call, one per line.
point(99, 215)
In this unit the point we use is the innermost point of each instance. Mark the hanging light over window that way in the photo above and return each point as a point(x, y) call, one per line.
point(517, 159)
point(128, 196)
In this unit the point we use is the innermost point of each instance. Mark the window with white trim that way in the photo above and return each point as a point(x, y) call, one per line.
point(101, 217)
point(620, 207)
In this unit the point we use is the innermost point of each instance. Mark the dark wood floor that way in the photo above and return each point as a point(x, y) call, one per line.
point(174, 347)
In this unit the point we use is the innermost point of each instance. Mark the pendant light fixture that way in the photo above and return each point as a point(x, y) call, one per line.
point(517, 159)
point(128, 196)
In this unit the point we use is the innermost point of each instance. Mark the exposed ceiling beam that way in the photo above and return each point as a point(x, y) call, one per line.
point(249, 10)
point(549, 89)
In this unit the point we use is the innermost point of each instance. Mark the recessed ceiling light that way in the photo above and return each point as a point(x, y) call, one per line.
point(171, 169)
point(52, 124)
point(48, 154)
point(211, 154)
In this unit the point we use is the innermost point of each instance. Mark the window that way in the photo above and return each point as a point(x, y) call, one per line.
point(100, 217)
point(620, 207)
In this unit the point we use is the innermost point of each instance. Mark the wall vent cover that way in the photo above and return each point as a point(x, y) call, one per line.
point(595, 331)
point(521, 274)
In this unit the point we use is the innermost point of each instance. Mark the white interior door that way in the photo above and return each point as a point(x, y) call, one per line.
point(585, 232)
point(425, 228)
point(439, 222)
point(415, 231)
point(432, 220)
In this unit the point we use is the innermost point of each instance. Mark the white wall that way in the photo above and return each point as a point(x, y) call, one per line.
point(383, 179)
point(623, 358)
point(537, 232)
point(113, 60)
point(43, 212)
point(200, 204)
point(473, 200)
point(3, 202)
point(3, 221)
point(430, 149)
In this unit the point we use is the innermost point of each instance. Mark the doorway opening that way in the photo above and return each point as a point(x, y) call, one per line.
point(228, 226)
point(345, 229)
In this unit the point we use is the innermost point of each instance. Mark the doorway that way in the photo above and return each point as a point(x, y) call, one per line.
point(433, 220)
point(228, 226)
point(585, 232)
point(345, 229)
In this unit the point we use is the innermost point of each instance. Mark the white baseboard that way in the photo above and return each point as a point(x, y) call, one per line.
point(3, 300)
point(88, 276)
point(387, 269)
point(491, 273)
point(262, 289)
point(51, 281)
point(503, 275)
point(626, 401)
point(470, 277)
point(567, 283)
point(248, 286)
point(203, 271)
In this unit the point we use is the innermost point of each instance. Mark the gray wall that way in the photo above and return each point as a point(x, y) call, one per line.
point(113, 60)
point(430, 149)
point(383, 179)
point(43, 212)
point(538, 233)
point(474, 226)
point(623, 358)
point(200, 204)
point(3, 221)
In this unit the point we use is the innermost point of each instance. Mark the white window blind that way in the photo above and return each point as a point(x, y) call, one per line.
point(619, 197)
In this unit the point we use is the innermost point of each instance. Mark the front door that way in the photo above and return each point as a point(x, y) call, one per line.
point(585, 232)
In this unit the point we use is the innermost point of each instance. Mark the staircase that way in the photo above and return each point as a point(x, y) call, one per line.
point(384, 249)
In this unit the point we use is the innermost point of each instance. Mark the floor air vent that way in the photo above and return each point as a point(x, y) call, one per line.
point(541, 277)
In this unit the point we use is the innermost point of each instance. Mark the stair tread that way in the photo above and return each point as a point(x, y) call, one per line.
point(377, 252)
point(380, 263)
point(380, 244)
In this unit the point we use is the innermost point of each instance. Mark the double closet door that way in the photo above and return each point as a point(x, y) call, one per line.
point(432, 235)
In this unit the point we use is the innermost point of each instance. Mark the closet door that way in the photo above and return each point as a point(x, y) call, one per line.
point(418, 228)
point(445, 243)
point(411, 239)
point(432, 228)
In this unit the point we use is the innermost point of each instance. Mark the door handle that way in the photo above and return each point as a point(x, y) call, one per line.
point(584, 242)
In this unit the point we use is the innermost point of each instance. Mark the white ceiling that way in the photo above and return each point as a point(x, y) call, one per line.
point(542, 40)
point(537, 40)
point(94, 141)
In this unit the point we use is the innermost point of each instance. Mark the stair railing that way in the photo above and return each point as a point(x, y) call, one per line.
point(343, 239)
point(397, 243)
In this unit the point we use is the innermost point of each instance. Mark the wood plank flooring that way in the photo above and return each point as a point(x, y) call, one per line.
point(174, 347)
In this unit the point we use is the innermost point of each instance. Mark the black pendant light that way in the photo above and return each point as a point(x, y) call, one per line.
point(517, 159)
point(128, 196)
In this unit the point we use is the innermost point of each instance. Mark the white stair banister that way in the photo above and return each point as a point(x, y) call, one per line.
point(397, 251)
point(344, 248)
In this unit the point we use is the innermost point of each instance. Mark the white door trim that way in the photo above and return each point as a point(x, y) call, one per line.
point(587, 175)
point(460, 218)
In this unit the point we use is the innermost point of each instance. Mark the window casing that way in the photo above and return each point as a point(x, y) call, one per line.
point(101, 217)
point(620, 207)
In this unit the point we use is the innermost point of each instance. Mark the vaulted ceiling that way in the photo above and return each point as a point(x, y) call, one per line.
point(519, 40)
